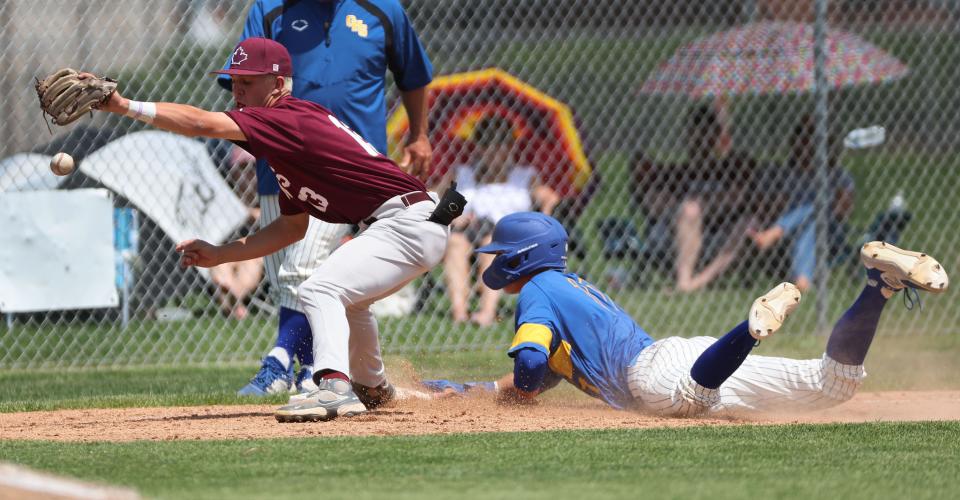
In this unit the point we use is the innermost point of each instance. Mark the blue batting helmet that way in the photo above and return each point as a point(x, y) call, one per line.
point(524, 242)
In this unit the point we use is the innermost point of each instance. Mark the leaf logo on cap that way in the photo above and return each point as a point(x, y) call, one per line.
point(238, 57)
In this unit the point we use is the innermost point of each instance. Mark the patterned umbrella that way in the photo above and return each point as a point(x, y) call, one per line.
point(546, 136)
point(769, 58)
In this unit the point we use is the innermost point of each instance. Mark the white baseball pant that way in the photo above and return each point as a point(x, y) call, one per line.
point(384, 257)
point(292, 265)
point(661, 383)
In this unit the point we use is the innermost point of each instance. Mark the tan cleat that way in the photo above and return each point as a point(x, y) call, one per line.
point(902, 268)
point(769, 311)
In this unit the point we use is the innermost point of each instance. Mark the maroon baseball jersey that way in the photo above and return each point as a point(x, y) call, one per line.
point(323, 167)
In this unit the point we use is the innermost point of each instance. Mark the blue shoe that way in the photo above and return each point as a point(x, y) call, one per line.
point(271, 379)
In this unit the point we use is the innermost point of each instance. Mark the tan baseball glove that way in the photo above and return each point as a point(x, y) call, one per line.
point(66, 97)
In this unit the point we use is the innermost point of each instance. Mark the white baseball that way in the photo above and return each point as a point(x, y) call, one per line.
point(61, 164)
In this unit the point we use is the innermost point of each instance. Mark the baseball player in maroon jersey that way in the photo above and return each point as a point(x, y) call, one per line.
point(326, 171)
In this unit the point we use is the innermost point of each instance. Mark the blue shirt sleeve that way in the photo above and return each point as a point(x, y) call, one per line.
point(795, 217)
point(529, 369)
point(253, 27)
point(533, 306)
point(535, 322)
point(409, 63)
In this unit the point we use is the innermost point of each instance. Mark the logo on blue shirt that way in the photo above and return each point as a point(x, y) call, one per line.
point(300, 24)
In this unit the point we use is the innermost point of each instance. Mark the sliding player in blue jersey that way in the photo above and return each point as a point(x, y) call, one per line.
point(567, 329)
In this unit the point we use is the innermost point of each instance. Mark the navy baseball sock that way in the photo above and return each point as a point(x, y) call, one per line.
point(293, 328)
point(304, 348)
point(853, 333)
point(721, 359)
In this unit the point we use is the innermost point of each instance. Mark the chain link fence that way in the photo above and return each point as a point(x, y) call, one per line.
point(696, 189)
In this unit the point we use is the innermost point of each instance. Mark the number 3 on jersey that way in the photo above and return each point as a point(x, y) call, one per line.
point(372, 151)
point(306, 194)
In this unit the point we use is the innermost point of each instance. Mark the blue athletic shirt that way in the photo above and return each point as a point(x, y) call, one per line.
point(588, 339)
point(341, 50)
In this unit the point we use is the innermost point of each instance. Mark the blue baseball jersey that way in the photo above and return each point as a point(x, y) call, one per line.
point(588, 339)
point(341, 50)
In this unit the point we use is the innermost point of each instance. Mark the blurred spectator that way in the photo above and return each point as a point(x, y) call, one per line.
point(235, 282)
point(797, 224)
point(702, 204)
point(208, 27)
point(713, 217)
point(494, 186)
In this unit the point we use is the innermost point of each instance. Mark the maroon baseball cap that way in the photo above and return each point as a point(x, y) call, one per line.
point(259, 56)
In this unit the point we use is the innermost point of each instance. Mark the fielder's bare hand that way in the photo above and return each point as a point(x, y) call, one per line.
point(199, 253)
point(417, 156)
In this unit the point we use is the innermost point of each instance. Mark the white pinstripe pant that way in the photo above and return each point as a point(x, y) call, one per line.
point(291, 266)
point(661, 383)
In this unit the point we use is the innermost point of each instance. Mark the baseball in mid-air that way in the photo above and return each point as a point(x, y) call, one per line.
point(61, 164)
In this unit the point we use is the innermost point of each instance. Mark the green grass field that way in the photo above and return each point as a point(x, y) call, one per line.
point(867, 461)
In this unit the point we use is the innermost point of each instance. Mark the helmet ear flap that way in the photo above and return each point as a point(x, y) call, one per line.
point(516, 262)
point(500, 273)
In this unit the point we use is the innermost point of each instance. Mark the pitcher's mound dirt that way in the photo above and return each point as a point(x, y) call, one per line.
point(474, 414)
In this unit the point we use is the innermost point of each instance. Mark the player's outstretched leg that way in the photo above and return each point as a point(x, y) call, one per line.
point(719, 361)
point(781, 384)
point(889, 270)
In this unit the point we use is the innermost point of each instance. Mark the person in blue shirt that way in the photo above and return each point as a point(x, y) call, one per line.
point(341, 51)
point(567, 329)
point(798, 186)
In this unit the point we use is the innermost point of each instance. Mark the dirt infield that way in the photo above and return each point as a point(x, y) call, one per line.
point(476, 414)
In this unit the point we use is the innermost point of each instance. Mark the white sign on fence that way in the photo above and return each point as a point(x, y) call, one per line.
point(57, 250)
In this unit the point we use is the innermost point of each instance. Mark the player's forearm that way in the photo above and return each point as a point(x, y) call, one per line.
point(278, 234)
point(184, 119)
point(415, 102)
point(181, 119)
